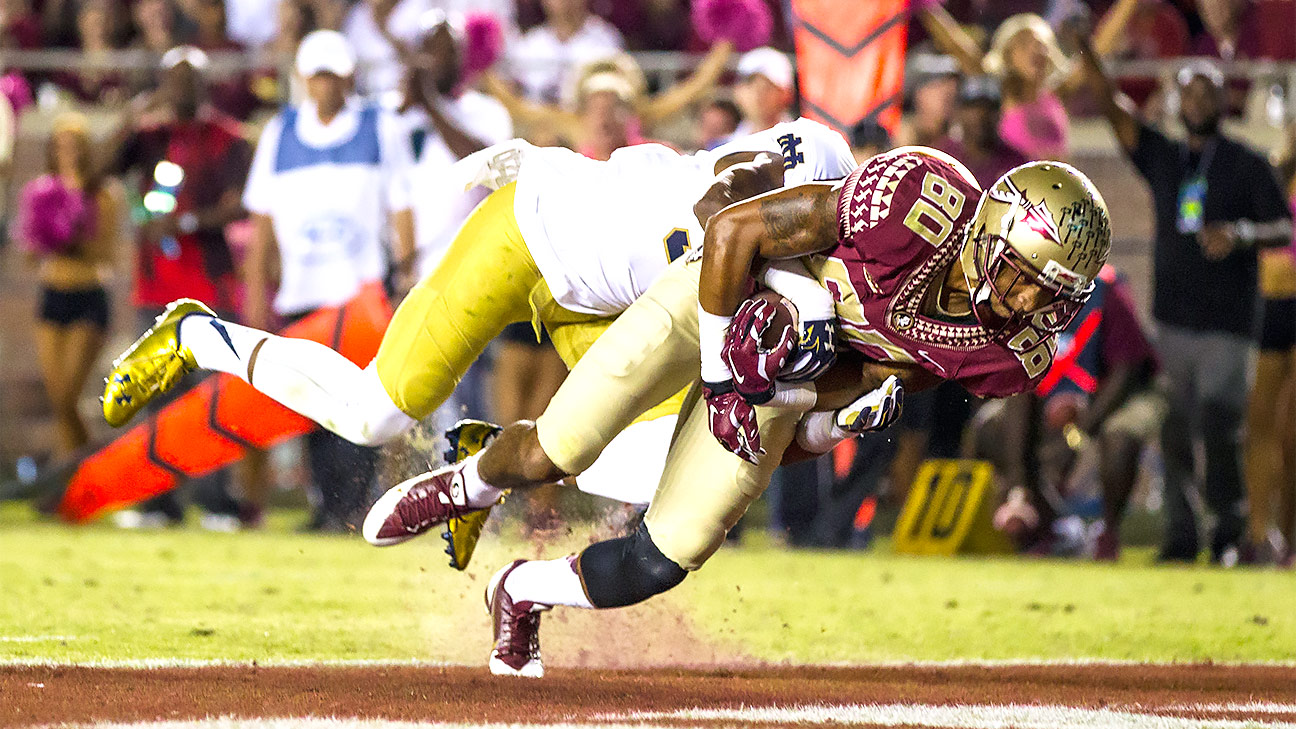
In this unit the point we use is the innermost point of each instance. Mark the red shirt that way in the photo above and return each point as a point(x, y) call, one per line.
point(214, 156)
point(896, 242)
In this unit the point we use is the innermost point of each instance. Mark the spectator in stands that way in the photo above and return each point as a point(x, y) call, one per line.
point(1216, 201)
point(379, 31)
point(255, 23)
point(1271, 416)
point(867, 139)
point(445, 121)
point(717, 120)
point(329, 14)
point(609, 105)
point(570, 36)
point(765, 90)
point(155, 25)
point(231, 94)
point(1099, 395)
point(70, 221)
point(975, 140)
point(329, 179)
point(932, 87)
point(19, 27)
point(1152, 29)
point(1247, 29)
point(1035, 76)
point(194, 159)
point(94, 85)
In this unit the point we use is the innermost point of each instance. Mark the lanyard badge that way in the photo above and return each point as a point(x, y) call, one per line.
point(1192, 203)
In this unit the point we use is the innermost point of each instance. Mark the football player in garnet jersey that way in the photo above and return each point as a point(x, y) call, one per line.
point(932, 279)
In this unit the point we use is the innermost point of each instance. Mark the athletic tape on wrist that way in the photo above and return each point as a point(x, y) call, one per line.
point(712, 330)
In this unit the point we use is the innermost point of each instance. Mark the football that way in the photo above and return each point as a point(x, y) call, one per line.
point(785, 315)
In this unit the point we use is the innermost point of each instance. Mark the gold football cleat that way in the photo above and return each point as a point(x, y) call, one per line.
point(152, 365)
point(467, 437)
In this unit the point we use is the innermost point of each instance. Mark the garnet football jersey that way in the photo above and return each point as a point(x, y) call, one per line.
point(901, 217)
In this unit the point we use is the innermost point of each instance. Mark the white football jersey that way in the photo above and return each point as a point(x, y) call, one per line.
point(601, 232)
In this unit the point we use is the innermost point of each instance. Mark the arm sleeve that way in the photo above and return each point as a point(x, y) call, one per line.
point(258, 193)
point(397, 161)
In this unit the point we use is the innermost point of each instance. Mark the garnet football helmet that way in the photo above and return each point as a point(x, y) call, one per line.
point(1042, 222)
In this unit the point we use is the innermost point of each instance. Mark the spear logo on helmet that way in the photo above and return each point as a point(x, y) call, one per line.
point(1035, 216)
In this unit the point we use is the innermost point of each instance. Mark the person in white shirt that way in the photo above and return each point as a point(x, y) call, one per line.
point(569, 37)
point(328, 178)
point(377, 29)
point(446, 122)
point(765, 90)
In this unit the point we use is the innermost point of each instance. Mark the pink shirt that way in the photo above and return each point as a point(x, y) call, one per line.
point(1038, 129)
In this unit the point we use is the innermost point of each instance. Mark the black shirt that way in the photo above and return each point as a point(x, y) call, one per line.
point(1188, 290)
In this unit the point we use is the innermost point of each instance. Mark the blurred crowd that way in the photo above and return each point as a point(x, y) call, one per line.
point(215, 102)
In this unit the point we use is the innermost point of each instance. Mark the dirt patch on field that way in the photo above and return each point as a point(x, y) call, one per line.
point(45, 695)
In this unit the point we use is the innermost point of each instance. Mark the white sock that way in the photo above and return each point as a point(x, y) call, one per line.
point(480, 494)
point(548, 582)
point(304, 376)
point(220, 345)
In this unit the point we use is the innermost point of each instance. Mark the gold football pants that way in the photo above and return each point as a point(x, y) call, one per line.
point(486, 281)
point(649, 352)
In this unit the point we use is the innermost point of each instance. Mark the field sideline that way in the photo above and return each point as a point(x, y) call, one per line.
point(186, 629)
point(96, 594)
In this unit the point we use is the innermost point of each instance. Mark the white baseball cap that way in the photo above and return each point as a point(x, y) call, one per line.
point(184, 54)
point(325, 50)
point(768, 62)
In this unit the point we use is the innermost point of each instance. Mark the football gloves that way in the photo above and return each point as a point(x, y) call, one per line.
point(754, 367)
point(874, 411)
point(732, 420)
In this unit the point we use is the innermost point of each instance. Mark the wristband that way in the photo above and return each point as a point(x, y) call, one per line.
point(818, 432)
point(789, 396)
point(712, 330)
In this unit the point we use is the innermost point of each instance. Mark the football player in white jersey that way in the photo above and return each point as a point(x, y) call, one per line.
point(564, 241)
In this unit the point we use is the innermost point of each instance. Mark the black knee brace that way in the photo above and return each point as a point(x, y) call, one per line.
point(627, 570)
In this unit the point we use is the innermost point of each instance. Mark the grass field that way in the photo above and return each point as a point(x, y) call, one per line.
point(96, 594)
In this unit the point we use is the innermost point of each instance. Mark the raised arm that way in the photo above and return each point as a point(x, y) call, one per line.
point(1107, 36)
point(1115, 105)
point(530, 114)
point(673, 100)
point(952, 39)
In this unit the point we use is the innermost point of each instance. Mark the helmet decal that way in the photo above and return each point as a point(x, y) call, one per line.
point(1035, 216)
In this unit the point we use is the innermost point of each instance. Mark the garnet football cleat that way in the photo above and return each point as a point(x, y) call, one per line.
point(517, 630)
point(152, 365)
point(416, 505)
point(461, 534)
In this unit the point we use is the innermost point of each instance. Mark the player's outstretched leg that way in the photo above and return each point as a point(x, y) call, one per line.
point(302, 375)
point(152, 365)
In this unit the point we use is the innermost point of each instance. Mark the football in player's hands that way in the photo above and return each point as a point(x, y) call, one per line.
point(761, 340)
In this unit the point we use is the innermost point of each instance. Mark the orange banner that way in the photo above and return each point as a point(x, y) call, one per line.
point(214, 424)
point(850, 60)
